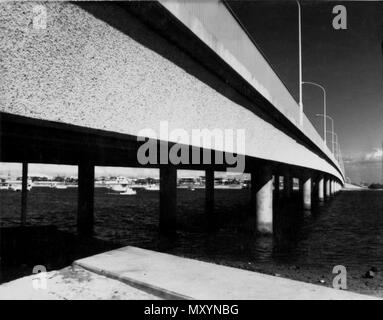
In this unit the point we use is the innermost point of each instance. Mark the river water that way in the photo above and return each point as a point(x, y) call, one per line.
point(347, 230)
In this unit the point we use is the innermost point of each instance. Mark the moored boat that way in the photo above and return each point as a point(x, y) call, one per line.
point(128, 191)
point(60, 186)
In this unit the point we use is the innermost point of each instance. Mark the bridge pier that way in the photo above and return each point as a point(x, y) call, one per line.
point(287, 184)
point(262, 194)
point(209, 198)
point(320, 188)
point(306, 191)
point(24, 193)
point(327, 187)
point(277, 191)
point(168, 200)
point(300, 186)
point(85, 214)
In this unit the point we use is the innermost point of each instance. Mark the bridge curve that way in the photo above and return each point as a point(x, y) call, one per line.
point(118, 68)
point(219, 28)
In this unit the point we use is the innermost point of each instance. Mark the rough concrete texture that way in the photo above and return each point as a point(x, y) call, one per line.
point(82, 71)
point(201, 280)
point(71, 284)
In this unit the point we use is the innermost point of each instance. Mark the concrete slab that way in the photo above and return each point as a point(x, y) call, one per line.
point(178, 277)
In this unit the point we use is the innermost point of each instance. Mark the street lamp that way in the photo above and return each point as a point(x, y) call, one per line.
point(324, 106)
point(300, 64)
point(341, 159)
point(332, 126)
point(335, 144)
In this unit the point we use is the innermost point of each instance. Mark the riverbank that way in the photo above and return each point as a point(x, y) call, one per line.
point(344, 231)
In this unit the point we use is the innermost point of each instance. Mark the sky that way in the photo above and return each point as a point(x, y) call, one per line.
point(348, 63)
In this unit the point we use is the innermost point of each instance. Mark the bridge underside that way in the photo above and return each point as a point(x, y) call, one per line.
point(24, 139)
point(29, 140)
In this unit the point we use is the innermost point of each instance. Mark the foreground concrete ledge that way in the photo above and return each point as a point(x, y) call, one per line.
point(71, 283)
point(174, 277)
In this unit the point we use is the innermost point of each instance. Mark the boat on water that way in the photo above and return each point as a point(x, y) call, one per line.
point(60, 186)
point(118, 187)
point(128, 192)
point(152, 187)
point(18, 187)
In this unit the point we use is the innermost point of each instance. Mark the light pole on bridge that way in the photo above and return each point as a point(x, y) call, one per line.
point(300, 64)
point(325, 116)
point(324, 106)
point(336, 145)
point(332, 126)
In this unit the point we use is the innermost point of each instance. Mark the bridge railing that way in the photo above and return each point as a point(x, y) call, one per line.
point(216, 26)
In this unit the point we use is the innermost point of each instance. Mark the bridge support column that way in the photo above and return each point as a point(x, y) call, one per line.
point(209, 198)
point(306, 181)
point(168, 200)
point(287, 185)
point(277, 191)
point(262, 193)
point(24, 193)
point(327, 188)
point(85, 215)
point(300, 186)
point(321, 189)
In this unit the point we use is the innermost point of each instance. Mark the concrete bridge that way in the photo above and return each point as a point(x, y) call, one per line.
point(79, 89)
